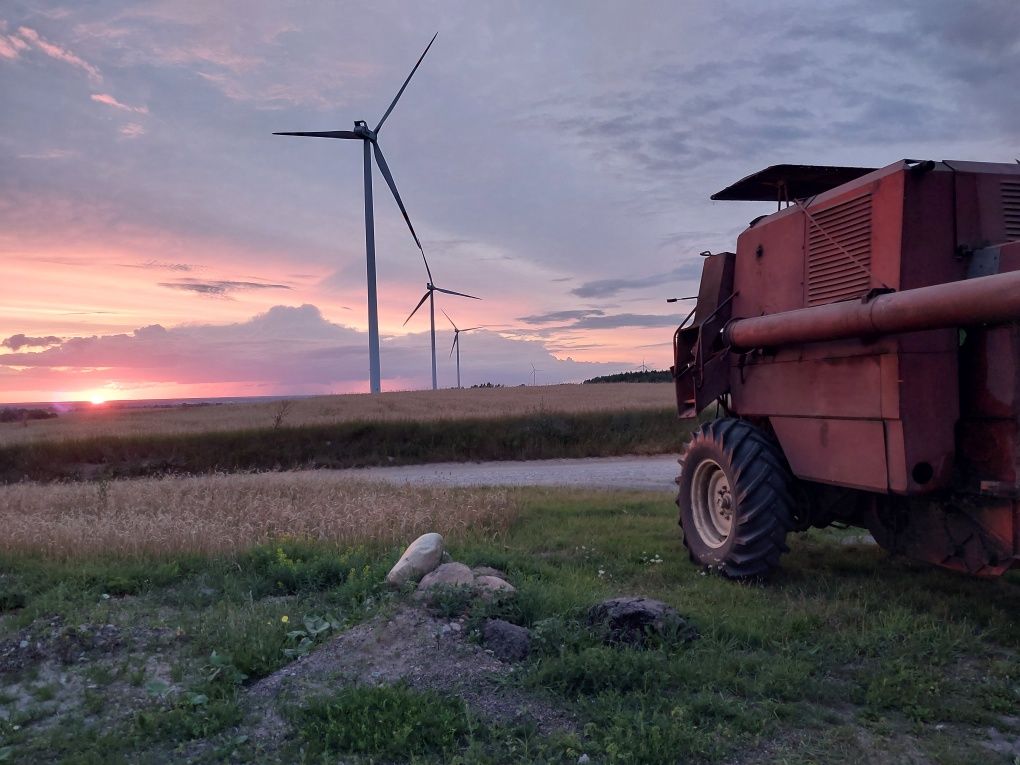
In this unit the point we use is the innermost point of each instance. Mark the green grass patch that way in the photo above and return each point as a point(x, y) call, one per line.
point(392, 723)
point(845, 655)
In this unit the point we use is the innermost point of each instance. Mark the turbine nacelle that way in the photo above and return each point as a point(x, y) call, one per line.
point(362, 130)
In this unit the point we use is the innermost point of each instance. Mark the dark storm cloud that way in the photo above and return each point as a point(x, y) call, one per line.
point(588, 320)
point(156, 265)
point(616, 321)
point(219, 288)
point(603, 288)
point(17, 342)
point(559, 316)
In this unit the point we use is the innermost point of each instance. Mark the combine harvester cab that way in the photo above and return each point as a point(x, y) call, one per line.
point(862, 344)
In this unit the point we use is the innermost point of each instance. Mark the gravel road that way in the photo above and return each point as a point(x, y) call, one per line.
point(642, 473)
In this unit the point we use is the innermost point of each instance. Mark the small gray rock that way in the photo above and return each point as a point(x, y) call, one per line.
point(634, 620)
point(421, 557)
point(448, 575)
point(494, 585)
point(507, 641)
point(488, 571)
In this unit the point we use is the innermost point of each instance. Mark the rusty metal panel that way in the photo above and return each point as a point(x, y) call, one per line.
point(834, 387)
point(991, 365)
point(847, 453)
point(988, 454)
point(929, 411)
point(895, 455)
point(891, 386)
point(770, 265)
point(887, 200)
point(716, 286)
point(928, 239)
point(988, 439)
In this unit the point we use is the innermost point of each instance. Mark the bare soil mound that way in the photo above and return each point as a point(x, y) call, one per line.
point(408, 646)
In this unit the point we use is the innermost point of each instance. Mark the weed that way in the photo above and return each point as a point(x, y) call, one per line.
point(391, 723)
point(316, 629)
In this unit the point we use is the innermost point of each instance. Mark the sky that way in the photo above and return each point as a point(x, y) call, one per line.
point(556, 159)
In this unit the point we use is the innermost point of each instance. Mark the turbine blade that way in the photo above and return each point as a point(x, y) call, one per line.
point(420, 304)
point(456, 337)
point(451, 292)
point(469, 329)
point(385, 170)
point(327, 134)
point(450, 320)
point(401, 91)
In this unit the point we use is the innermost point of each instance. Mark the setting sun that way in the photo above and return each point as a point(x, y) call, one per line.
point(97, 399)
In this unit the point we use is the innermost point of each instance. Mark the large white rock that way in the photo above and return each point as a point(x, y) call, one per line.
point(421, 557)
point(448, 575)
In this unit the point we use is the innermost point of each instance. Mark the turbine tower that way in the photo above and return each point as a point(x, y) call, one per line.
point(370, 139)
point(456, 342)
point(534, 375)
point(430, 294)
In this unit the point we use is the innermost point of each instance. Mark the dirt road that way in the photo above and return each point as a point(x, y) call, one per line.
point(642, 473)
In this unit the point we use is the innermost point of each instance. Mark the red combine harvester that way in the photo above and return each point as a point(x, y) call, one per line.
point(862, 346)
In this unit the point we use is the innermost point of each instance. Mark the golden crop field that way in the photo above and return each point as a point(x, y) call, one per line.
point(108, 420)
point(225, 513)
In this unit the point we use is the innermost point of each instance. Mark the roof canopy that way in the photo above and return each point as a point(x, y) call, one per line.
point(782, 182)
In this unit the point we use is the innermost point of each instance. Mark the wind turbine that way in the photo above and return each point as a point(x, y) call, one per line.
point(456, 341)
point(370, 139)
point(430, 294)
point(534, 375)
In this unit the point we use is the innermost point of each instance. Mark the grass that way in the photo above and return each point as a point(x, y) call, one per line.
point(847, 655)
point(222, 513)
point(109, 420)
point(355, 443)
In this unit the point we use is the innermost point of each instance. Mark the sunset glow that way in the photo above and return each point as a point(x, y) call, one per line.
point(158, 241)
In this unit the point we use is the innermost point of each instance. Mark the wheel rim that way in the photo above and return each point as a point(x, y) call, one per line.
point(711, 503)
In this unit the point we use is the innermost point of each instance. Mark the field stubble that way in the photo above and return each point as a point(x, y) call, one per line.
point(226, 513)
point(420, 406)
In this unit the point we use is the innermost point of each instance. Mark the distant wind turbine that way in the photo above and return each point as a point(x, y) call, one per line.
point(370, 140)
point(534, 375)
point(430, 294)
point(456, 341)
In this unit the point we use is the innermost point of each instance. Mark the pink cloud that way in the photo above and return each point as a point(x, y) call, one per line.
point(30, 37)
point(132, 130)
point(286, 349)
point(106, 98)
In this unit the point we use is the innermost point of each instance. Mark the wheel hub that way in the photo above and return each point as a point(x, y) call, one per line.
point(712, 503)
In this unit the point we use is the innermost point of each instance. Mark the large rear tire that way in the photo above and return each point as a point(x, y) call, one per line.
point(735, 499)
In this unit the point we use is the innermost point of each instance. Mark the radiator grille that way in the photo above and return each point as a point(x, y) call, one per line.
point(839, 252)
point(1011, 208)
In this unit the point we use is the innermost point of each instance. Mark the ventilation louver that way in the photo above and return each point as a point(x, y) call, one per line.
point(839, 251)
point(1011, 208)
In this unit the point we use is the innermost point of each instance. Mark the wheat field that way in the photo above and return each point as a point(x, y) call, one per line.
point(224, 513)
point(451, 403)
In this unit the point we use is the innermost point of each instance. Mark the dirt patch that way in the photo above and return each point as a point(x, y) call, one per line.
point(407, 646)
